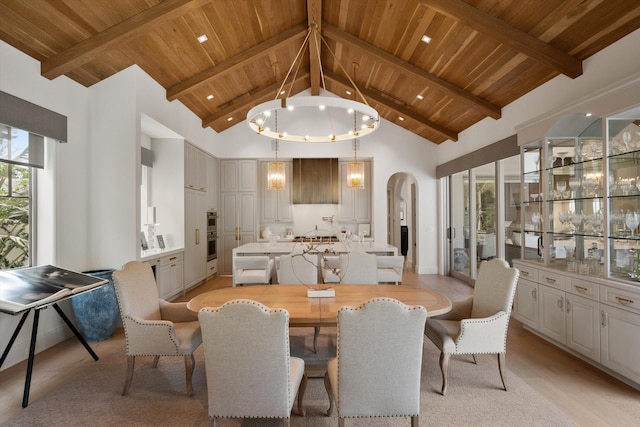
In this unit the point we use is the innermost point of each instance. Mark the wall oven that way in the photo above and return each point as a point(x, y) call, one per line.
point(212, 235)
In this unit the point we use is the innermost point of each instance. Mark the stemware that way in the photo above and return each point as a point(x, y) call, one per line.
point(576, 219)
point(626, 185)
point(632, 219)
point(561, 186)
point(574, 184)
point(536, 218)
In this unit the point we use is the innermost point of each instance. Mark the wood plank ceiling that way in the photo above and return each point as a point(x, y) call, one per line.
point(483, 55)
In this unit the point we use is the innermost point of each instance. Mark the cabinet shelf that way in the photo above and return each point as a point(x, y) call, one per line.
point(574, 199)
point(625, 155)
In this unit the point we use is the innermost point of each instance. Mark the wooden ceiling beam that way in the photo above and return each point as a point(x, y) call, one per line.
point(88, 49)
point(314, 18)
point(243, 104)
point(237, 61)
point(401, 111)
point(510, 36)
point(414, 72)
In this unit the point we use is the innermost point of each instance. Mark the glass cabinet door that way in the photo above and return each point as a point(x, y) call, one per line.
point(529, 237)
point(574, 200)
point(624, 195)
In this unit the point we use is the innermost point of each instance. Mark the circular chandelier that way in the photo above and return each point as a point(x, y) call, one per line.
point(300, 114)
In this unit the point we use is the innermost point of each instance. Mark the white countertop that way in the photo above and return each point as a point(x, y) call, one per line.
point(158, 253)
point(288, 247)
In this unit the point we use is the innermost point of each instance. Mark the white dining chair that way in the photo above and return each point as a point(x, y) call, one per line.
point(379, 360)
point(390, 268)
point(251, 270)
point(358, 267)
point(297, 268)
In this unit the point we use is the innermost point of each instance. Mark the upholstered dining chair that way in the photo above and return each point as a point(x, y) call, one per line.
point(390, 268)
point(250, 372)
point(358, 267)
point(478, 324)
point(152, 326)
point(297, 269)
point(330, 268)
point(376, 372)
point(251, 270)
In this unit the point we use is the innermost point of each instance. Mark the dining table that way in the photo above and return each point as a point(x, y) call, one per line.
point(321, 311)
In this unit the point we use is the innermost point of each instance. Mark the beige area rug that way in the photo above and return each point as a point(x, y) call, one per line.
point(157, 397)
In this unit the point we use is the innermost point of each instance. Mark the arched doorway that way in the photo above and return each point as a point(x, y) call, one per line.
point(402, 214)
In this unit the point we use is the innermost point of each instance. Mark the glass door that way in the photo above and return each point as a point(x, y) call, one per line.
point(512, 206)
point(529, 236)
point(485, 212)
point(460, 225)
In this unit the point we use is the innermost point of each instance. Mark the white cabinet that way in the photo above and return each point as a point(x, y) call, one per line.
point(168, 271)
point(212, 267)
point(525, 306)
point(583, 326)
point(355, 205)
point(212, 182)
point(195, 170)
point(238, 207)
point(621, 341)
point(277, 205)
point(195, 237)
point(551, 313)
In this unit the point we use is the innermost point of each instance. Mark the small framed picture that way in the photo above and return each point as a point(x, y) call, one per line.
point(143, 241)
point(160, 241)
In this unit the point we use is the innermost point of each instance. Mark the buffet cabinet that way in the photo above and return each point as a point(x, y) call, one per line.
point(595, 319)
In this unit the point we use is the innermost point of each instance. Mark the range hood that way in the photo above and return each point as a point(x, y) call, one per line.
point(315, 181)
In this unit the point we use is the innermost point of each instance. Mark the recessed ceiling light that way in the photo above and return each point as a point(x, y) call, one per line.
point(209, 97)
point(420, 97)
point(426, 39)
point(203, 38)
point(348, 92)
point(229, 119)
point(588, 114)
point(401, 119)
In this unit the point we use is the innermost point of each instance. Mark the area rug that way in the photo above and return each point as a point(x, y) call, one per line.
point(157, 396)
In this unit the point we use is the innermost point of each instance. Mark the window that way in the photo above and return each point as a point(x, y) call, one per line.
point(15, 198)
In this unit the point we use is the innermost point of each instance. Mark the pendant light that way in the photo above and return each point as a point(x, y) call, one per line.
point(355, 169)
point(276, 177)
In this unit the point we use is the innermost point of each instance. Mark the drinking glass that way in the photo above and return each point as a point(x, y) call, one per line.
point(536, 218)
point(574, 184)
point(626, 185)
point(632, 219)
point(561, 186)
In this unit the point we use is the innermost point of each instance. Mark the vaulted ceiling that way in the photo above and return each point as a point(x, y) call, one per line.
point(483, 54)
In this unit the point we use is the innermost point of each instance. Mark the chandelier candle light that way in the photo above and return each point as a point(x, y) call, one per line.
point(296, 129)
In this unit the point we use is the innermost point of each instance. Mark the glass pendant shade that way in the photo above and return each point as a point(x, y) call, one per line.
point(355, 175)
point(276, 178)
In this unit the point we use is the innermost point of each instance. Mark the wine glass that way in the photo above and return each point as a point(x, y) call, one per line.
point(534, 196)
point(574, 184)
point(632, 219)
point(562, 155)
point(536, 218)
point(626, 185)
point(561, 186)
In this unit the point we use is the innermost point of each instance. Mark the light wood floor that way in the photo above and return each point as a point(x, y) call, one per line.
point(587, 395)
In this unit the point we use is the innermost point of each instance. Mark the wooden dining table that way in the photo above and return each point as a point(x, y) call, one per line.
point(314, 311)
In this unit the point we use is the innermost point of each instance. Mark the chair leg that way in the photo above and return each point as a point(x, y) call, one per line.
point(156, 359)
point(131, 364)
point(189, 366)
point(415, 421)
point(474, 359)
point(340, 422)
point(286, 422)
point(301, 390)
point(214, 422)
point(327, 385)
point(444, 367)
point(502, 367)
point(316, 332)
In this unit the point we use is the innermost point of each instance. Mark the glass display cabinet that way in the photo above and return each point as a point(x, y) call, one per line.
point(623, 134)
point(574, 230)
point(580, 197)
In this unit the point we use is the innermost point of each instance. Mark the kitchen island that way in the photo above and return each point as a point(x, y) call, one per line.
point(276, 249)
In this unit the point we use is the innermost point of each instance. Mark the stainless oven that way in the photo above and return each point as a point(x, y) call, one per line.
point(212, 246)
point(212, 221)
point(212, 235)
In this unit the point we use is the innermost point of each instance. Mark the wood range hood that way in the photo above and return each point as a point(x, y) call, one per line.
point(315, 181)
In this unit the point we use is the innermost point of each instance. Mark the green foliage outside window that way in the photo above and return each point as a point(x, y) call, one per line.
point(14, 216)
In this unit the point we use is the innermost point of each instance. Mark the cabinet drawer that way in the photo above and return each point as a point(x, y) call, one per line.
point(171, 259)
point(554, 280)
point(620, 298)
point(582, 288)
point(527, 272)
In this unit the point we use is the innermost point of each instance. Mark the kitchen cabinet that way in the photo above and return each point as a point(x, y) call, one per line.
point(277, 205)
point(239, 209)
point(525, 306)
point(212, 182)
point(621, 341)
point(195, 237)
point(195, 170)
point(355, 204)
point(168, 271)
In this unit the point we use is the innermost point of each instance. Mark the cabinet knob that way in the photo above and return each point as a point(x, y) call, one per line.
point(550, 280)
point(524, 273)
